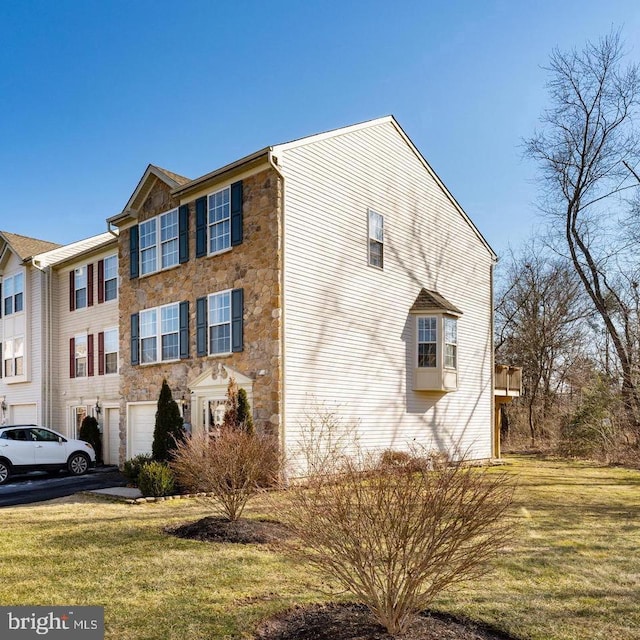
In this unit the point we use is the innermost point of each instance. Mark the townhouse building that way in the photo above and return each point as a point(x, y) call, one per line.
point(335, 273)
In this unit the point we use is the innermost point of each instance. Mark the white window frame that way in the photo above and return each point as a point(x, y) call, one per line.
point(107, 352)
point(433, 320)
point(158, 334)
point(159, 245)
point(15, 295)
point(114, 278)
point(13, 357)
point(375, 234)
point(450, 339)
point(81, 340)
point(80, 280)
point(222, 205)
point(214, 320)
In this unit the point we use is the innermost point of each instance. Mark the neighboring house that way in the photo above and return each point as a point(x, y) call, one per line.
point(334, 273)
point(24, 326)
point(84, 376)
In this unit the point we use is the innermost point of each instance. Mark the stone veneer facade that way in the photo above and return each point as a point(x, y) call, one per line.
point(254, 265)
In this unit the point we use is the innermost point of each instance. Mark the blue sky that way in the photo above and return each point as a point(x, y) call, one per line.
point(91, 92)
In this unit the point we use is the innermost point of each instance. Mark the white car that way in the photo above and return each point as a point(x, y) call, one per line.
point(31, 448)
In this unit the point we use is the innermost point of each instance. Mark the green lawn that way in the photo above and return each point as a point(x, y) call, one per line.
point(574, 572)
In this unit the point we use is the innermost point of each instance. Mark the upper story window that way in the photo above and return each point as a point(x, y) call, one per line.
point(219, 220)
point(13, 357)
point(427, 341)
point(159, 242)
point(13, 294)
point(450, 343)
point(376, 239)
point(110, 351)
point(219, 329)
point(219, 323)
point(80, 287)
point(80, 356)
point(110, 278)
point(159, 333)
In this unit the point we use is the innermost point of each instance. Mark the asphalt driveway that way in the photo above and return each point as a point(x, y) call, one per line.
point(39, 486)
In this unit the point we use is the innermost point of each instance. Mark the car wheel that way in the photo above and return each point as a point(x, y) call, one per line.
point(5, 471)
point(78, 464)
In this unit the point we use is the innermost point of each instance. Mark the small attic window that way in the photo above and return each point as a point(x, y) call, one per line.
point(376, 239)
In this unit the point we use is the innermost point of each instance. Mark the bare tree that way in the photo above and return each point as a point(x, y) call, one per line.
point(539, 326)
point(587, 144)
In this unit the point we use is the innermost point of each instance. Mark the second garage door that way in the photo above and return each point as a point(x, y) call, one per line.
point(141, 420)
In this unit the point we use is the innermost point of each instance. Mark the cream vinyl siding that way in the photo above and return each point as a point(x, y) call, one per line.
point(28, 392)
point(349, 339)
point(69, 392)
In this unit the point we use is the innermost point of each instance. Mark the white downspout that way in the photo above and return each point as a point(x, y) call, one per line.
point(273, 161)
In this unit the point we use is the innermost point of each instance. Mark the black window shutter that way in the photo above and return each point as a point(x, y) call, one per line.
point(134, 258)
point(183, 233)
point(201, 327)
point(1, 360)
point(237, 327)
point(1, 305)
point(135, 342)
point(201, 227)
point(236, 213)
point(184, 329)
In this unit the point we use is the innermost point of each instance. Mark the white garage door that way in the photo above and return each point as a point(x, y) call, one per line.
point(141, 421)
point(24, 414)
point(111, 440)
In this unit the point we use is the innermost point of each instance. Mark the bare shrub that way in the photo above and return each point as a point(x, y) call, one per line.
point(397, 538)
point(231, 468)
point(325, 439)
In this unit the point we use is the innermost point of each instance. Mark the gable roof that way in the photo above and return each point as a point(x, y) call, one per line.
point(181, 185)
point(432, 301)
point(24, 246)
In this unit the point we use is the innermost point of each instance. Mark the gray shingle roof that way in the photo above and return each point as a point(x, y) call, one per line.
point(433, 301)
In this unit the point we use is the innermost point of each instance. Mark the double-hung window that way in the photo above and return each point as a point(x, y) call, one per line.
point(219, 329)
point(376, 239)
point(14, 357)
point(111, 351)
point(110, 278)
point(81, 356)
point(450, 343)
point(159, 242)
point(427, 341)
point(13, 294)
point(160, 334)
point(80, 287)
point(219, 220)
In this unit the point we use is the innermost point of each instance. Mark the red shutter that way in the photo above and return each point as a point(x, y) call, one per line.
point(72, 357)
point(90, 370)
point(72, 290)
point(89, 285)
point(100, 281)
point(100, 350)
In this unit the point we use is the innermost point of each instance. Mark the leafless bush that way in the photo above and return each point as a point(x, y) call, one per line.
point(232, 468)
point(325, 439)
point(396, 538)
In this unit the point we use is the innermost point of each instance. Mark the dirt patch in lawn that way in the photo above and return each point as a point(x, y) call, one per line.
point(243, 531)
point(355, 622)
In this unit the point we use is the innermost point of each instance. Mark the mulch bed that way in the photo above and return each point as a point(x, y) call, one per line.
point(355, 622)
point(243, 531)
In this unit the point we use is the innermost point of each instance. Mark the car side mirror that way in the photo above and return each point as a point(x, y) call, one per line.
point(60, 439)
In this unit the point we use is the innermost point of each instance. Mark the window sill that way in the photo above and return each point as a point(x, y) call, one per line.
point(153, 364)
point(14, 379)
point(219, 253)
point(155, 273)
